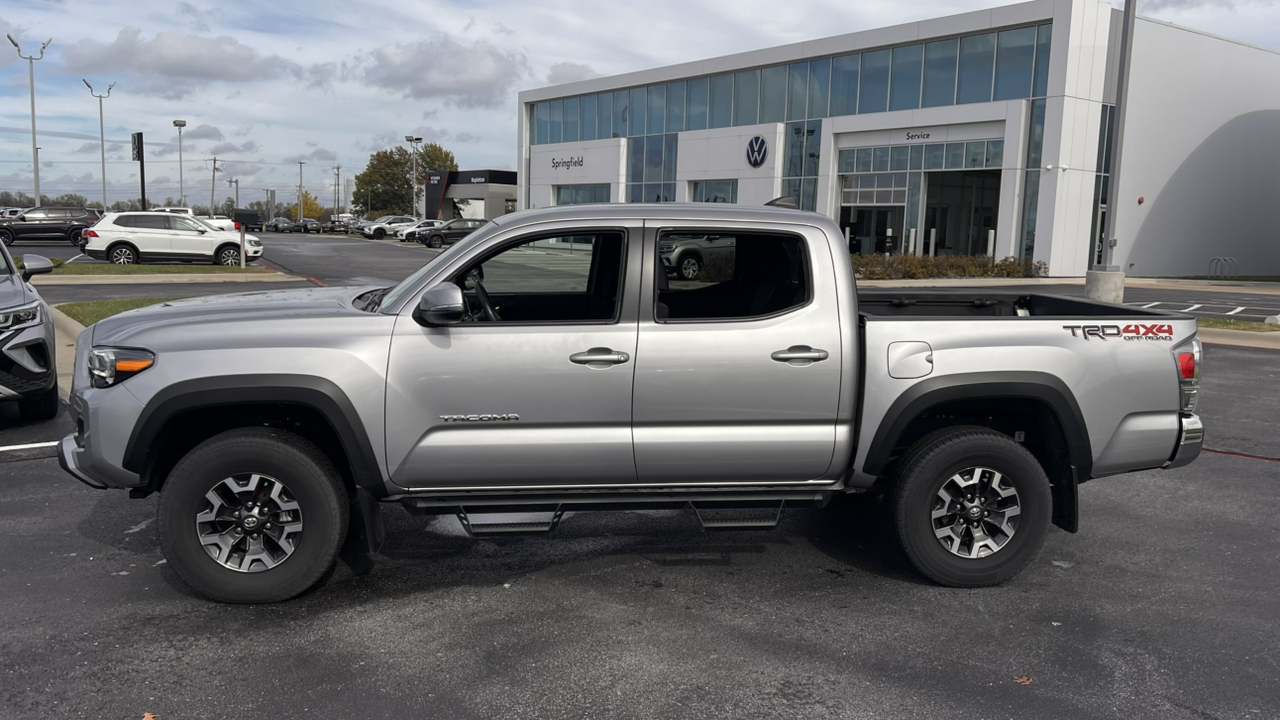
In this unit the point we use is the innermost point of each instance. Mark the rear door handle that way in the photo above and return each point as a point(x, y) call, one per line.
point(601, 357)
point(800, 355)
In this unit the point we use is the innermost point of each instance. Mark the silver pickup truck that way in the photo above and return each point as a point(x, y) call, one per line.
point(547, 364)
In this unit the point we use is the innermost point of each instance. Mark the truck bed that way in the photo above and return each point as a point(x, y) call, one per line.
point(979, 304)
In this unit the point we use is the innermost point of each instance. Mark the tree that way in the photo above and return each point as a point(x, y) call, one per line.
point(311, 207)
point(385, 185)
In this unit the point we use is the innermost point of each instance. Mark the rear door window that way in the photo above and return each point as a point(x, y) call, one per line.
point(711, 276)
point(150, 222)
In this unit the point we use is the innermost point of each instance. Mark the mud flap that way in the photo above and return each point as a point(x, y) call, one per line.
point(1066, 502)
point(365, 532)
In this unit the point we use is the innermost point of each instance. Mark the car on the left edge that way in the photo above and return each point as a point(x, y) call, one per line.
point(28, 370)
point(126, 238)
point(47, 223)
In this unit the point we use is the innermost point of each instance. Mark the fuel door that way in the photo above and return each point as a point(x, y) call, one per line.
point(911, 359)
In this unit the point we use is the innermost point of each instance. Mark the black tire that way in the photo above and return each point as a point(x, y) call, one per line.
point(122, 254)
point(379, 233)
point(227, 256)
point(932, 463)
point(311, 479)
point(74, 236)
point(435, 241)
point(43, 407)
point(6, 237)
point(690, 266)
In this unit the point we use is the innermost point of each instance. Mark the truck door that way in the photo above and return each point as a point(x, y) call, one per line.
point(534, 387)
point(738, 371)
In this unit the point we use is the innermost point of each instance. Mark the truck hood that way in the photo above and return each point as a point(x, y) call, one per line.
point(13, 291)
point(238, 308)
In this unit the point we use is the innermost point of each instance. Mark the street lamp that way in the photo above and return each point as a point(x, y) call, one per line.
point(300, 164)
point(102, 139)
point(31, 69)
point(413, 142)
point(182, 196)
point(236, 182)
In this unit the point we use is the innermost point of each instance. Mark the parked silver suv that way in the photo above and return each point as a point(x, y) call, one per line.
point(28, 368)
point(685, 256)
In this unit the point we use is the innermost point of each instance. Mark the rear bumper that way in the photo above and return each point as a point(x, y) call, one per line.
point(1190, 441)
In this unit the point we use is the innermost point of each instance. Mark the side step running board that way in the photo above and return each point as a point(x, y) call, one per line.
point(755, 522)
point(475, 529)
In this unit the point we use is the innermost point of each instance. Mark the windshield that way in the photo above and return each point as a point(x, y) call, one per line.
point(396, 294)
point(205, 223)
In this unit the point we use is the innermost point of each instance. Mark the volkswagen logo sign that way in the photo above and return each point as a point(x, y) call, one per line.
point(757, 151)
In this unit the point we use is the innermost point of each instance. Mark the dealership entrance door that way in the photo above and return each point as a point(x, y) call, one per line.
point(874, 229)
point(961, 207)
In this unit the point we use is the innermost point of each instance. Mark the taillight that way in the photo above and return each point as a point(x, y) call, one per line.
point(1189, 356)
point(237, 226)
point(89, 233)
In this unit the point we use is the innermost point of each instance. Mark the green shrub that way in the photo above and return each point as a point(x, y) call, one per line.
point(906, 267)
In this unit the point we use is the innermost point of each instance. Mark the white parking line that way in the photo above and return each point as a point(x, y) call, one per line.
point(1148, 306)
point(1193, 307)
point(1233, 312)
point(29, 446)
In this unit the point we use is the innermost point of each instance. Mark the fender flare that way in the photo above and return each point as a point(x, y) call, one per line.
point(316, 393)
point(935, 391)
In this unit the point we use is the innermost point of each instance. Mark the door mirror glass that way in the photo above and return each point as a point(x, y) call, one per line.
point(440, 305)
point(35, 265)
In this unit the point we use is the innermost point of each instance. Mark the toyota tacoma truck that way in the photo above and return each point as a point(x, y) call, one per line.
point(548, 363)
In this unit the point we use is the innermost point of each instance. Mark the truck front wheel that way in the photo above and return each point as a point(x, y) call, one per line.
point(971, 507)
point(253, 515)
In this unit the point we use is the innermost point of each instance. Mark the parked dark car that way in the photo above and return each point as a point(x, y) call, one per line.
point(280, 225)
point(337, 226)
point(450, 232)
point(307, 225)
point(47, 223)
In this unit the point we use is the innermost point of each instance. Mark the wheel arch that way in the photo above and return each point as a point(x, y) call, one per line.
point(137, 254)
point(1038, 403)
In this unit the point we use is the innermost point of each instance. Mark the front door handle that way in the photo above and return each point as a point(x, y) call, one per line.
point(601, 357)
point(800, 355)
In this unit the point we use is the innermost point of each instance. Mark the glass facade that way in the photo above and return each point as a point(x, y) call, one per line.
point(1031, 189)
point(801, 150)
point(1102, 182)
point(651, 168)
point(1004, 65)
point(724, 191)
point(580, 194)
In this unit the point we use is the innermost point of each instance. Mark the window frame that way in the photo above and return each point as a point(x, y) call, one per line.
point(659, 232)
point(505, 245)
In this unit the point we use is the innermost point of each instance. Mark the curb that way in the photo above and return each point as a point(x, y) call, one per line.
point(66, 332)
point(1240, 338)
point(175, 278)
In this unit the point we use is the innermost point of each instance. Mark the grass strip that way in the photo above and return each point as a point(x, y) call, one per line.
point(1224, 324)
point(184, 269)
point(88, 313)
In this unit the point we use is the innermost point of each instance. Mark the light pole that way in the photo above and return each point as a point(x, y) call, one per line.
point(102, 138)
point(182, 196)
point(413, 143)
point(337, 189)
point(300, 164)
point(31, 69)
point(236, 182)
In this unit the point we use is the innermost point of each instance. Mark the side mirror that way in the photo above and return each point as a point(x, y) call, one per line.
point(440, 305)
point(202, 231)
point(35, 265)
point(21, 217)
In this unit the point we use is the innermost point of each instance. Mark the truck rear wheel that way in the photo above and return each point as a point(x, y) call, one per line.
point(971, 507)
point(253, 515)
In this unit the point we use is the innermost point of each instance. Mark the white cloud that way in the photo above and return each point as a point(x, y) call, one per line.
point(567, 72)
point(481, 75)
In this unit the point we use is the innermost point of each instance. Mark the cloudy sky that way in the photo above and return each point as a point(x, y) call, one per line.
point(263, 85)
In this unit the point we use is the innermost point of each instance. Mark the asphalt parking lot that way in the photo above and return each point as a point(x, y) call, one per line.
point(1163, 606)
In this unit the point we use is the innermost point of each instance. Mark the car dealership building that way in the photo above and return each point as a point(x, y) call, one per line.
point(974, 134)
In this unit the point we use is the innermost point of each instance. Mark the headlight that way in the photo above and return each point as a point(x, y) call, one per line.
point(666, 248)
point(253, 243)
point(21, 317)
point(108, 366)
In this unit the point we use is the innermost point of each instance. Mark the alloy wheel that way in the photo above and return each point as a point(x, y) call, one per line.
point(975, 512)
point(229, 257)
point(689, 268)
point(123, 256)
point(250, 523)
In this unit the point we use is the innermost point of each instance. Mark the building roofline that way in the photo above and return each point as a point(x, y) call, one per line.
point(1184, 28)
point(1034, 11)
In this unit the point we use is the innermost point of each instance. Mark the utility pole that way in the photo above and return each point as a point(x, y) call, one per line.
point(1105, 281)
point(413, 143)
point(140, 157)
point(31, 72)
point(337, 189)
point(182, 195)
point(102, 138)
point(300, 164)
point(213, 185)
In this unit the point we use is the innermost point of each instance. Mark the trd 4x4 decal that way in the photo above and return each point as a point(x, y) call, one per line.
point(1128, 332)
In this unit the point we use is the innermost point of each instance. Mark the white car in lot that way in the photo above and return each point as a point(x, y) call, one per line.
point(409, 232)
point(387, 225)
point(126, 238)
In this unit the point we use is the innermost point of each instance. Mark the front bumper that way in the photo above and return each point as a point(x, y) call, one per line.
point(1190, 442)
point(27, 366)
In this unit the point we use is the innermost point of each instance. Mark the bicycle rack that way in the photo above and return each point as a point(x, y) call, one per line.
point(1224, 267)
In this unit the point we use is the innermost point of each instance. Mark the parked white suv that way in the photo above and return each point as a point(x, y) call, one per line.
point(126, 238)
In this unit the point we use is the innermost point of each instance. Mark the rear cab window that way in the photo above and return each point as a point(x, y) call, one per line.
point(701, 275)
